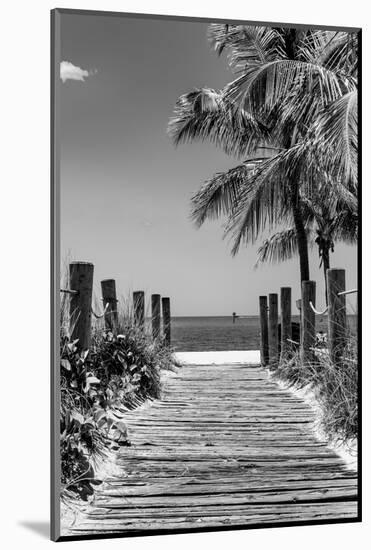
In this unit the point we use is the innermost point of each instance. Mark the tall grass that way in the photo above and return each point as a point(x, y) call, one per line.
point(335, 388)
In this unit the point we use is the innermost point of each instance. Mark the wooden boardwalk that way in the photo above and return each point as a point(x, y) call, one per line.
point(224, 447)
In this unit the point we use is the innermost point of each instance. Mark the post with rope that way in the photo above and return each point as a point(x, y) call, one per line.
point(81, 285)
point(273, 329)
point(156, 315)
point(110, 304)
point(308, 322)
point(166, 317)
point(264, 346)
point(138, 301)
point(336, 313)
point(286, 328)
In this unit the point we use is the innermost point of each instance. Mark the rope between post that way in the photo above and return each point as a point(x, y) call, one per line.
point(100, 316)
point(352, 291)
point(316, 311)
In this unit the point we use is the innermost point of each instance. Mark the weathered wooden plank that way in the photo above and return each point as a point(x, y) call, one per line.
point(175, 498)
point(170, 520)
point(235, 488)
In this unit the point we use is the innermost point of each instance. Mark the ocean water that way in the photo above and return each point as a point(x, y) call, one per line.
point(214, 333)
point(219, 333)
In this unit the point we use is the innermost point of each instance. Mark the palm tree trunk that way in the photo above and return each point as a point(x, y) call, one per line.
point(301, 235)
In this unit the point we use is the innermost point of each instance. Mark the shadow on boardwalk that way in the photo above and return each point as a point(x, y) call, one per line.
point(225, 446)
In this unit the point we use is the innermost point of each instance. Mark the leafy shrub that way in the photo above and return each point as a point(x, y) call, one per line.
point(97, 386)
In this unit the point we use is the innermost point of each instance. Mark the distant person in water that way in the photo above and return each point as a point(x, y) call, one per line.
point(234, 317)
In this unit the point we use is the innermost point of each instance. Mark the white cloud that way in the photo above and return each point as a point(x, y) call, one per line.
point(69, 71)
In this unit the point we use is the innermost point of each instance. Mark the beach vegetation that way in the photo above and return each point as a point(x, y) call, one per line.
point(333, 386)
point(118, 373)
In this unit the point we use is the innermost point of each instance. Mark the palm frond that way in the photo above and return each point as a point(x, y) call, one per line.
point(335, 50)
point(264, 201)
point(322, 174)
point(280, 247)
point(262, 87)
point(345, 227)
point(336, 138)
point(221, 194)
point(246, 44)
point(205, 114)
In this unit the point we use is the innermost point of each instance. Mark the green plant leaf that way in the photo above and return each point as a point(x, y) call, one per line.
point(77, 416)
point(66, 364)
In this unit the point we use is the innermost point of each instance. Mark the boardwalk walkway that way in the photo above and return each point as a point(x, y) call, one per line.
point(225, 446)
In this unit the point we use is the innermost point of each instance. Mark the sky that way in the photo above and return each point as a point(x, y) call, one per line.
point(125, 188)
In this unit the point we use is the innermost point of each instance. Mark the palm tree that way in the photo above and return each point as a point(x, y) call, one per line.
point(295, 97)
point(324, 228)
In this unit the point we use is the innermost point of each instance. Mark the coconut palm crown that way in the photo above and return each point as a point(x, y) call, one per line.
point(290, 116)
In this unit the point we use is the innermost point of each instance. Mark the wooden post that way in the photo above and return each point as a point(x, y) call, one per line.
point(81, 280)
point(308, 322)
point(166, 320)
point(138, 300)
point(273, 329)
point(264, 345)
point(286, 329)
point(109, 297)
point(156, 315)
point(298, 305)
point(336, 313)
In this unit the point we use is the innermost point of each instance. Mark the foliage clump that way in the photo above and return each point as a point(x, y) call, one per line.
point(117, 373)
point(335, 388)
